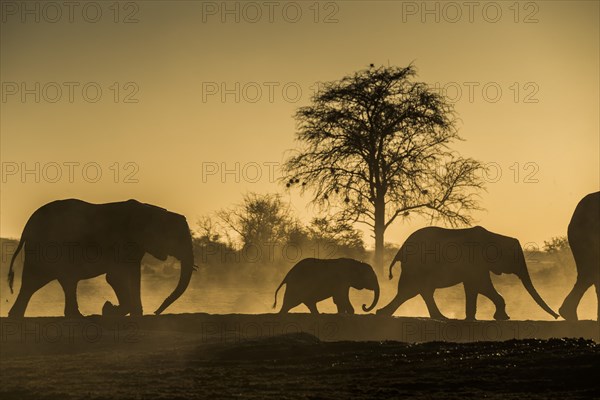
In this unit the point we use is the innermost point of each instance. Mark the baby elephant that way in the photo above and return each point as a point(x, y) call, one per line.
point(312, 280)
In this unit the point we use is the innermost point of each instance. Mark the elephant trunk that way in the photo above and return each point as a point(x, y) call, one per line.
point(391, 276)
point(375, 298)
point(526, 279)
point(187, 267)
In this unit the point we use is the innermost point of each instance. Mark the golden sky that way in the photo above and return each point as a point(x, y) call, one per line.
point(169, 79)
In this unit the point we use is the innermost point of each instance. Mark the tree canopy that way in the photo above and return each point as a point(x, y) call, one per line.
point(375, 146)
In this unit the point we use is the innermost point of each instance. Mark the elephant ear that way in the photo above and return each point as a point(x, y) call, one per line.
point(146, 225)
point(498, 262)
point(510, 259)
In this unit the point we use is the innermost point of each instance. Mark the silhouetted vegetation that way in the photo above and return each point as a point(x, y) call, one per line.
point(261, 238)
point(374, 147)
point(556, 244)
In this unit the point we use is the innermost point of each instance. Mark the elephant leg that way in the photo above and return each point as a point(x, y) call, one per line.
point(434, 311)
point(342, 301)
point(344, 307)
point(135, 293)
point(489, 291)
point(568, 310)
point(349, 308)
point(69, 286)
point(340, 309)
point(471, 302)
point(31, 282)
point(289, 302)
point(118, 281)
point(312, 307)
point(405, 292)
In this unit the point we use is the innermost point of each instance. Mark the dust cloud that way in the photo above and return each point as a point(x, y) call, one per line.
point(249, 289)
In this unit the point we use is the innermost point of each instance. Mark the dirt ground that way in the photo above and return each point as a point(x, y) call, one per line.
point(170, 357)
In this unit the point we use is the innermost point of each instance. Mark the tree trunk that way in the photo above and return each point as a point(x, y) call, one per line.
point(379, 230)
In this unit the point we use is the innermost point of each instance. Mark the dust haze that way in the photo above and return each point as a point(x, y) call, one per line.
point(249, 287)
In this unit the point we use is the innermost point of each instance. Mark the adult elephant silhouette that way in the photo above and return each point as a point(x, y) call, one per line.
point(584, 239)
point(70, 240)
point(312, 280)
point(435, 258)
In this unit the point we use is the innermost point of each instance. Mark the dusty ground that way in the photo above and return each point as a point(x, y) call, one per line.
point(299, 366)
point(173, 357)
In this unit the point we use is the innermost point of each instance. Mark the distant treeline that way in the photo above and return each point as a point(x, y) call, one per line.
point(223, 263)
point(262, 237)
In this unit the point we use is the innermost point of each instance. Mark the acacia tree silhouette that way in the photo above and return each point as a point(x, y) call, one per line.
point(374, 146)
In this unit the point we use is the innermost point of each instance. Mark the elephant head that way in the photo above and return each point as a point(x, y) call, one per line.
point(364, 277)
point(163, 233)
point(513, 262)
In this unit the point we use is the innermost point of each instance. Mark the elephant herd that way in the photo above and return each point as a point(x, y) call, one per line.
point(71, 240)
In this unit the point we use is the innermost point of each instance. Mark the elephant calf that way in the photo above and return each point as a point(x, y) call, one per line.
point(312, 280)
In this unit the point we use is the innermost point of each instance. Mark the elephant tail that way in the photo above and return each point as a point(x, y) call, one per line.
point(11, 272)
point(276, 291)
